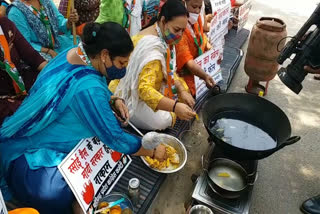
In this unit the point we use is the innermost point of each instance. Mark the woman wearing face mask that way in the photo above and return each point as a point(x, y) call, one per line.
point(151, 88)
point(193, 44)
point(69, 101)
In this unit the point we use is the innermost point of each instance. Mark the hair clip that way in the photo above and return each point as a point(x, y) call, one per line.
point(94, 34)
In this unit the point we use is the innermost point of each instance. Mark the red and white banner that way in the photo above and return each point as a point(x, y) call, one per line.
point(209, 63)
point(219, 23)
point(3, 209)
point(244, 14)
point(91, 170)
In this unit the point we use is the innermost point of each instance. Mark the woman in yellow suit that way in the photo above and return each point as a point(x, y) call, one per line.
point(151, 88)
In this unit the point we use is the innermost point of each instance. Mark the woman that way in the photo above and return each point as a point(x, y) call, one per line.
point(193, 44)
point(43, 26)
point(88, 10)
point(69, 102)
point(129, 13)
point(16, 54)
point(111, 11)
point(151, 88)
point(151, 8)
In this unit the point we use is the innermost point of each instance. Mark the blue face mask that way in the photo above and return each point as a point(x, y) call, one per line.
point(115, 73)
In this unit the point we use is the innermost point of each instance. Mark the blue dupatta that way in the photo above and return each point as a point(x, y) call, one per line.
point(52, 92)
point(37, 26)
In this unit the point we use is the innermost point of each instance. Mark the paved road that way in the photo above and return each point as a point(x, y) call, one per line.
point(290, 176)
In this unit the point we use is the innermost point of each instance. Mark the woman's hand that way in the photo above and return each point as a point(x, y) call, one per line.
point(160, 153)
point(208, 46)
point(187, 98)
point(74, 17)
point(52, 53)
point(121, 110)
point(209, 81)
point(209, 17)
point(311, 70)
point(184, 112)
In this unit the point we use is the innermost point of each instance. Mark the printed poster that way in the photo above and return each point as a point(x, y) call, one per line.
point(243, 14)
point(209, 63)
point(91, 170)
point(3, 209)
point(220, 21)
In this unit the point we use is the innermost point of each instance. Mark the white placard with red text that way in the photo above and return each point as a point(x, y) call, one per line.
point(209, 63)
point(244, 14)
point(3, 209)
point(91, 170)
point(219, 23)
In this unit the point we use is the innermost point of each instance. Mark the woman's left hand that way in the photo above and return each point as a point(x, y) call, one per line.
point(209, 46)
point(74, 17)
point(187, 98)
point(209, 81)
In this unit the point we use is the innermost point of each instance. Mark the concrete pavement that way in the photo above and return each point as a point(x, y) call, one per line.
point(289, 176)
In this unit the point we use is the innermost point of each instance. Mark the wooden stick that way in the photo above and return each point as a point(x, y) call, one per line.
point(74, 31)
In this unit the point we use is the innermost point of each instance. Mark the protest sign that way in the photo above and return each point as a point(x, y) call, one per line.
point(209, 63)
point(219, 23)
point(91, 170)
point(243, 14)
point(3, 209)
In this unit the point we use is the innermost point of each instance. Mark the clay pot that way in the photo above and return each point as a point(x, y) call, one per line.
point(266, 40)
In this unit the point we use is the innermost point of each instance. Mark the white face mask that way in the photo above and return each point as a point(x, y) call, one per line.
point(193, 18)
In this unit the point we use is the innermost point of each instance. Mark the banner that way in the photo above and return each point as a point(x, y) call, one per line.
point(91, 170)
point(220, 21)
point(3, 209)
point(209, 63)
point(243, 14)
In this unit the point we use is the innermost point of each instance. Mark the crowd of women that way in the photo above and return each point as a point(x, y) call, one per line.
point(54, 93)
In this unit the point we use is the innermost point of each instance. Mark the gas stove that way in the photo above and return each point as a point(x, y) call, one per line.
point(203, 194)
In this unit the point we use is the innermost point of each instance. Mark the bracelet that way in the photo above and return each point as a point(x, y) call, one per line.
point(174, 106)
point(47, 51)
point(113, 101)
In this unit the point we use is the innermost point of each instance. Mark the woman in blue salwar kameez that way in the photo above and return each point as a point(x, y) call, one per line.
point(69, 101)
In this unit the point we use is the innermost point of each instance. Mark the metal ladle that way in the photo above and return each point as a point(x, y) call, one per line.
point(132, 126)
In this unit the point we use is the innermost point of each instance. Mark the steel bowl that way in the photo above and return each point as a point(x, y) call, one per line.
point(200, 209)
point(181, 150)
point(112, 197)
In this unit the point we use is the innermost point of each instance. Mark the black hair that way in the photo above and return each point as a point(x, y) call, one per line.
point(110, 36)
point(208, 7)
point(172, 9)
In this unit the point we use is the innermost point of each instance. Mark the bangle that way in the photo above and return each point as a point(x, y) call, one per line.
point(174, 106)
point(113, 100)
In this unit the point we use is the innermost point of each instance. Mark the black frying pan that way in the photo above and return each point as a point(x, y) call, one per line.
point(251, 109)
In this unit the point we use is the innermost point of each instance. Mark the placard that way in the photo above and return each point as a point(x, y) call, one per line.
point(3, 209)
point(243, 14)
point(220, 21)
point(91, 170)
point(209, 63)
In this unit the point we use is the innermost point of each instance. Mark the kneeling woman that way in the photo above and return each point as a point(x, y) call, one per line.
point(68, 102)
point(193, 44)
point(151, 87)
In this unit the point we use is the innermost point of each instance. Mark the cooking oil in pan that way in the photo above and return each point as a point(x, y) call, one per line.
point(242, 135)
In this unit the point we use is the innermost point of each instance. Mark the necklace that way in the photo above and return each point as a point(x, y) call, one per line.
point(171, 90)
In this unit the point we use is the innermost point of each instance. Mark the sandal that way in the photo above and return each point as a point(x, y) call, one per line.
point(316, 77)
